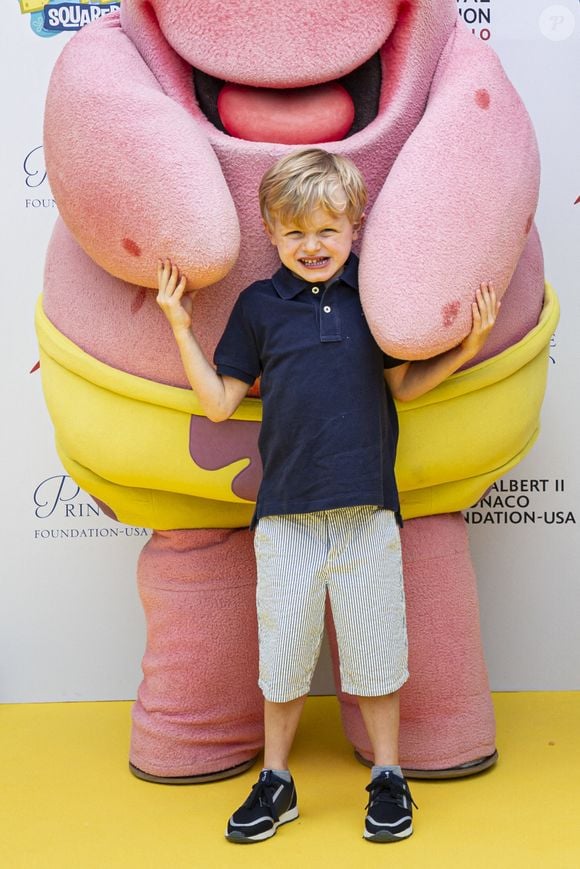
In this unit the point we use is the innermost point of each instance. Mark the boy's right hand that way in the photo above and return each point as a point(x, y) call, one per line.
point(172, 298)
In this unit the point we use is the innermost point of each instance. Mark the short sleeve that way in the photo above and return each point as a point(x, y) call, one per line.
point(391, 362)
point(236, 354)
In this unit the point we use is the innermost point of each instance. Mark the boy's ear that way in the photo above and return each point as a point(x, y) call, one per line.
point(268, 231)
point(357, 227)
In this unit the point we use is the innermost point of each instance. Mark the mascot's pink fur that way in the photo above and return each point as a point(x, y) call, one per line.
point(143, 163)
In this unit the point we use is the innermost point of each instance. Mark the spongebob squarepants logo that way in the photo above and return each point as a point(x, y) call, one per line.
point(49, 17)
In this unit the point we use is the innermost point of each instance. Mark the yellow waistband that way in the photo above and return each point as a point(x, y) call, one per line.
point(125, 439)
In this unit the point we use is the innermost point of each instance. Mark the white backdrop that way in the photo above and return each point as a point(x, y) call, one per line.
point(70, 620)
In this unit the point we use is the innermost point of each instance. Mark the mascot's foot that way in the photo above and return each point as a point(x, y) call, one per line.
point(464, 769)
point(194, 779)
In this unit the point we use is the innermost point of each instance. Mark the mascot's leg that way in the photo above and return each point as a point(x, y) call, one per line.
point(199, 712)
point(447, 721)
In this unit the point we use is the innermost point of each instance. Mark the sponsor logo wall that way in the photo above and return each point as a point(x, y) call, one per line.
point(70, 621)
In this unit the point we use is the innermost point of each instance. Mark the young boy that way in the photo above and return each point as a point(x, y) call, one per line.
point(327, 512)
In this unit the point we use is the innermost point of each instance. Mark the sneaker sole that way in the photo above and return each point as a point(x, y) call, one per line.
point(384, 836)
point(239, 839)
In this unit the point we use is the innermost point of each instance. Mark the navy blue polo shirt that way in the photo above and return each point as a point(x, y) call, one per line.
point(329, 429)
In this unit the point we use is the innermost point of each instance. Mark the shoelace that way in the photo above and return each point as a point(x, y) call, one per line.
point(262, 794)
point(383, 789)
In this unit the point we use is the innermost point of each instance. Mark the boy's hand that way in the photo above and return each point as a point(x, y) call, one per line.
point(413, 379)
point(172, 298)
point(485, 310)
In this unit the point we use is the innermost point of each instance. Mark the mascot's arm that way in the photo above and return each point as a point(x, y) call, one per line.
point(133, 177)
point(456, 208)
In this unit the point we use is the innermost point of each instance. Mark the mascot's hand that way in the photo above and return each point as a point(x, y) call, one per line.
point(459, 201)
point(130, 170)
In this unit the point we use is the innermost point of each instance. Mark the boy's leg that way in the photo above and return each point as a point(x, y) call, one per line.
point(381, 718)
point(291, 592)
point(272, 800)
point(368, 605)
point(280, 723)
point(390, 813)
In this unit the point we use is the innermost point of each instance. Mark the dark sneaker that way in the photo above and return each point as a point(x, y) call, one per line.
point(272, 802)
point(390, 813)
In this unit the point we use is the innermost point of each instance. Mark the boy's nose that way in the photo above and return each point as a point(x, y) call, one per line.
point(311, 243)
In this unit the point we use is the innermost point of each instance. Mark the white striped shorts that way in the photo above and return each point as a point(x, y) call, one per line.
point(354, 555)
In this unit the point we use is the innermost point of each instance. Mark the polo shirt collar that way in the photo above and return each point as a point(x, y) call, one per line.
point(288, 285)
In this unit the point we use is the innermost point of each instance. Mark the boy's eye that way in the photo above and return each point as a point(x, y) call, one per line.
point(295, 233)
point(328, 231)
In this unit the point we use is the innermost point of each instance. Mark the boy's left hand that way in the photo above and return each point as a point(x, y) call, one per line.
point(485, 310)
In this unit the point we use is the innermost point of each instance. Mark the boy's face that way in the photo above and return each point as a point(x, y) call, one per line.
point(315, 248)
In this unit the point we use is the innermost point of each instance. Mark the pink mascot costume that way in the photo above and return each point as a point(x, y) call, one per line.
point(160, 121)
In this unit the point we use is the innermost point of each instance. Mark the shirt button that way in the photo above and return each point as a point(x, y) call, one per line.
point(315, 290)
point(327, 309)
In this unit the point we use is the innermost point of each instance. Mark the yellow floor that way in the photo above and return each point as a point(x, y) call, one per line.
point(67, 800)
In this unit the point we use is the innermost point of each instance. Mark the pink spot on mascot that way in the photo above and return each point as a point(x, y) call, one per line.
point(160, 121)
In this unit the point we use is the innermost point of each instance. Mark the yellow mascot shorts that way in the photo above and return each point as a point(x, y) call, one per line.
point(126, 440)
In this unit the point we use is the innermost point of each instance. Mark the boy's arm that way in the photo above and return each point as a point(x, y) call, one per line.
point(218, 395)
point(413, 379)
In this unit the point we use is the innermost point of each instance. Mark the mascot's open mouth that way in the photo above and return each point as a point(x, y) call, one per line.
point(319, 113)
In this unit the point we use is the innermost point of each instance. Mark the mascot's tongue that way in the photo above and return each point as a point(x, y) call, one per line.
point(297, 116)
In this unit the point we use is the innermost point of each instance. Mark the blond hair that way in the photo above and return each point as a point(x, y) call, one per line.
point(309, 179)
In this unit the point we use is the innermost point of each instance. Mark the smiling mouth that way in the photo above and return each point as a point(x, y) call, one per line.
point(362, 87)
point(314, 262)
